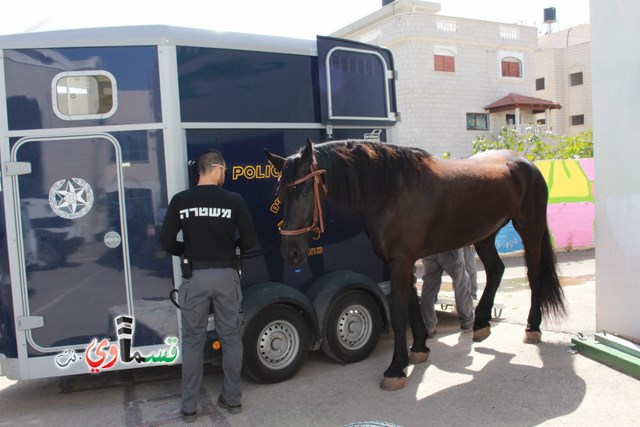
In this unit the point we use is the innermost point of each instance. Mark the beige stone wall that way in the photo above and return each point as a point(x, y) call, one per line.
point(560, 55)
point(433, 105)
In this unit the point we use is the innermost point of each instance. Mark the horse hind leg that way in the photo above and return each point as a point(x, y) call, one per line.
point(546, 293)
point(531, 243)
point(494, 269)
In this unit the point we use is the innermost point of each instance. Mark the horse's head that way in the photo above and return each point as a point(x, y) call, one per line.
point(300, 192)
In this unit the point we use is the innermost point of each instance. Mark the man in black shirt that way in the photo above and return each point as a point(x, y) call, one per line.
point(209, 217)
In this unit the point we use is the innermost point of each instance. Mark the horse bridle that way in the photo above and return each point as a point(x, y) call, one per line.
point(318, 222)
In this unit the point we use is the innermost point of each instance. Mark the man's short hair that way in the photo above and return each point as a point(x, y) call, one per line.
point(209, 158)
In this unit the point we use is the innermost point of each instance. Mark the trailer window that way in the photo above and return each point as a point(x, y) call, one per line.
point(357, 85)
point(82, 95)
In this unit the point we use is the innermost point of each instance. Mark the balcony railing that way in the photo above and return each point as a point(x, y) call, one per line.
point(532, 129)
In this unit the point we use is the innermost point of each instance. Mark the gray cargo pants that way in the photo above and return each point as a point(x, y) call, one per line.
point(470, 266)
point(221, 287)
point(451, 262)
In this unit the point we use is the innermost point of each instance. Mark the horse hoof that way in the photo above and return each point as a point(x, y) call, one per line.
point(418, 356)
point(481, 334)
point(532, 337)
point(393, 384)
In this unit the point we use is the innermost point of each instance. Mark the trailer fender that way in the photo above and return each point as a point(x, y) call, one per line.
point(326, 289)
point(257, 297)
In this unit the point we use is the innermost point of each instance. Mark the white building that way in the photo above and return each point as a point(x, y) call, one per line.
point(616, 85)
point(450, 70)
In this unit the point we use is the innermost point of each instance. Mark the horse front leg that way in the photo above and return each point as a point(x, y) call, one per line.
point(419, 351)
point(395, 377)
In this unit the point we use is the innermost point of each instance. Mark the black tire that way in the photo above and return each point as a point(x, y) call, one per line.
point(276, 344)
point(352, 327)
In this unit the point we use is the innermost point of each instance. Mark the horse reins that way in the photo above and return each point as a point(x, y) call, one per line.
point(318, 222)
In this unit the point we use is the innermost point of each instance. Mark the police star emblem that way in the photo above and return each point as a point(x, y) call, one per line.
point(71, 198)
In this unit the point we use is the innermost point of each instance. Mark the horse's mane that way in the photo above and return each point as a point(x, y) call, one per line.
point(365, 174)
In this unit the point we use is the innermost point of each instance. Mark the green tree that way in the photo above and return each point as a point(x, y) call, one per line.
point(536, 147)
point(578, 146)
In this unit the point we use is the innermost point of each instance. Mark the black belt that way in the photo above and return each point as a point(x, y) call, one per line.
point(203, 265)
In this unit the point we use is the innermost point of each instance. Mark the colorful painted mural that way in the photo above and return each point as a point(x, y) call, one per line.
point(571, 210)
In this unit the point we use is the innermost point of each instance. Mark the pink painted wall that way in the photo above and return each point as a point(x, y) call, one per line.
point(571, 210)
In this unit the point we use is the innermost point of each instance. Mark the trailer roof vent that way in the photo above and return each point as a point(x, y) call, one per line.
point(82, 95)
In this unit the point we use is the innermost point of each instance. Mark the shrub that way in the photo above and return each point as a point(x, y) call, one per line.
point(535, 147)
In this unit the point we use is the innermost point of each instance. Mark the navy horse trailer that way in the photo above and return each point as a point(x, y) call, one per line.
point(97, 129)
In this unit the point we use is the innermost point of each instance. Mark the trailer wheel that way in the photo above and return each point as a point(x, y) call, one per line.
point(276, 344)
point(352, 327)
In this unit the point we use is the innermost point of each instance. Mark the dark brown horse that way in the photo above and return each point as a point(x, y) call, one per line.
point(415, 204)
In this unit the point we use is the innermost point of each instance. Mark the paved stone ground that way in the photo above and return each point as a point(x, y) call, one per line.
point(499, 382)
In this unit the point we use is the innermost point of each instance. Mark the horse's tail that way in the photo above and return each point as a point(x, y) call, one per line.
point(552, 299)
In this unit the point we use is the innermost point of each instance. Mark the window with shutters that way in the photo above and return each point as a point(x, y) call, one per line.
point(511, 67)
point(444, 63)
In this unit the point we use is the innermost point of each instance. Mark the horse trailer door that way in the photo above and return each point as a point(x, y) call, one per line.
point(356, 83)
point(72, 240)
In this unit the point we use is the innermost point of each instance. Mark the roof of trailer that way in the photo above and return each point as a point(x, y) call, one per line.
point(156, 35)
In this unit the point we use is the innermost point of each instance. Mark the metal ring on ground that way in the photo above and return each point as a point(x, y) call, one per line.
point(372, 424)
